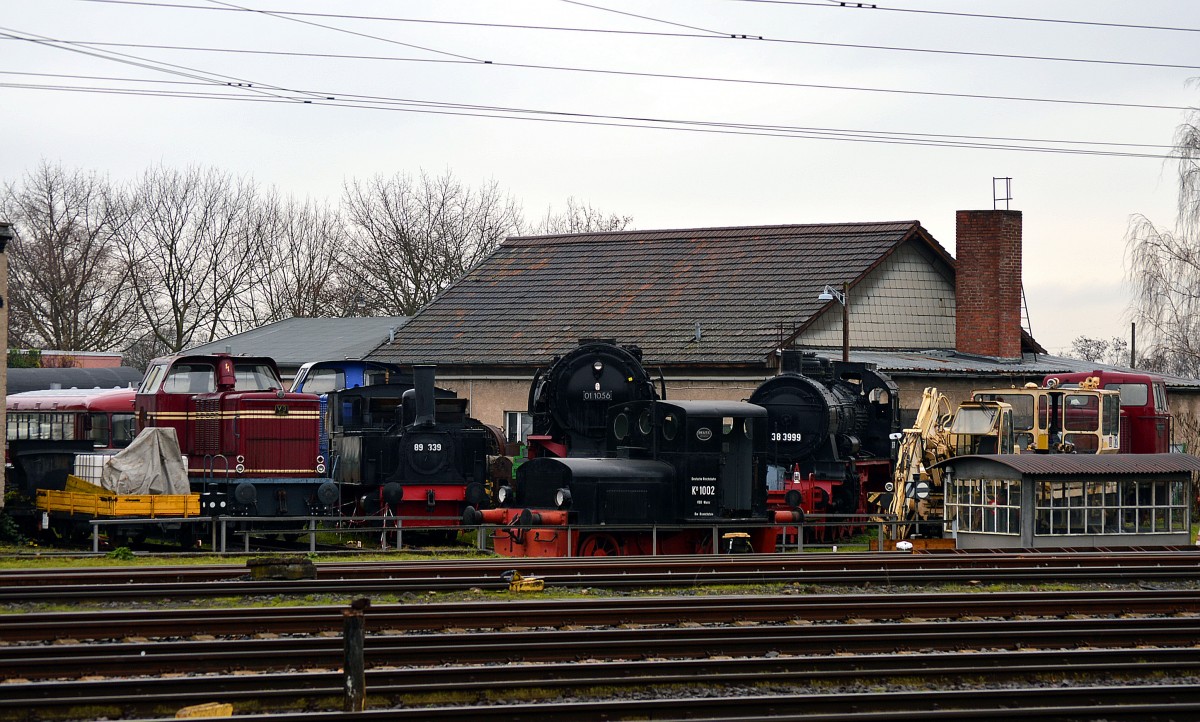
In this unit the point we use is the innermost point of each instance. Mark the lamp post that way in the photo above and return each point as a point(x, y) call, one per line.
point(843, 297)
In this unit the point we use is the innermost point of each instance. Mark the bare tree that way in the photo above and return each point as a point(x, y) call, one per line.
point(1165, 269)
point(304, 246)
point(1114, 352)
point(68, 286)
point(579, 217)
point(194, 254)
point(410, 237)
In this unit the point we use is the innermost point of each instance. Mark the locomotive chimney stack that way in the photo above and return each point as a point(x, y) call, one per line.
point(423, 377)
point(988, 283)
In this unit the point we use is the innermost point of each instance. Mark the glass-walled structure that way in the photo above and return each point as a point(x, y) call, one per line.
point(1068, 500)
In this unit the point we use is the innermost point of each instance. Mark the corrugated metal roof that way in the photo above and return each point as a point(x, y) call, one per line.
point(1076, 464)
point(746, 287)
point(297, 341)
point(20, 380)
point(939, 362)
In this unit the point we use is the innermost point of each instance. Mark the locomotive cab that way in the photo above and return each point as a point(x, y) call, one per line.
point(712, 445)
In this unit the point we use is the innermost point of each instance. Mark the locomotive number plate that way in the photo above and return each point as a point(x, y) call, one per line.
point(281, 410)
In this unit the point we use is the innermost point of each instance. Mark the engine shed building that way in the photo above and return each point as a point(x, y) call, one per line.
point(1032, 501)
point(712, 309)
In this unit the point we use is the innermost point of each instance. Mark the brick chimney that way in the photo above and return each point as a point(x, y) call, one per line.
point(988, 283)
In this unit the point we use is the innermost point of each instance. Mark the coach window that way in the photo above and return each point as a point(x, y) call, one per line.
point(153, 379)
point(190, 379)
point(1083, 413)
point(1131, 394)
point(123, 430)
point(255, 377)
point(322, 381)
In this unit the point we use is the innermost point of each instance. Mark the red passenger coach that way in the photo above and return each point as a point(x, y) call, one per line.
point(245, 437)
point(104, 416)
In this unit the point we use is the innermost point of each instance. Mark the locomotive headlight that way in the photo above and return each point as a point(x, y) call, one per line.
point(562, 498)
point(241, 459)
point(889, 487)
point(598, 366)
point(240, 468)
point(320, 468)
point(504, 494)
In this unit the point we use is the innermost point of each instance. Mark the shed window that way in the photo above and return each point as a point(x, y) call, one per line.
point(991, 506)
point(1120, 506)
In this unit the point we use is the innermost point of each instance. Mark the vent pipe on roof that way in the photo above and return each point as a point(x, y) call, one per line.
point(696, 338)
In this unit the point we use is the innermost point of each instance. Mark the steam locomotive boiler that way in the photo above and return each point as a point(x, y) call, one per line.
point(832, 430)
point(569, 401)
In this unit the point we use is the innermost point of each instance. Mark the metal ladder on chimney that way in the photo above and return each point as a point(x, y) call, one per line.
point(1026, 325)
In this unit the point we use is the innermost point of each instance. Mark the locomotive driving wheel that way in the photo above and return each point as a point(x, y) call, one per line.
point(599, 545)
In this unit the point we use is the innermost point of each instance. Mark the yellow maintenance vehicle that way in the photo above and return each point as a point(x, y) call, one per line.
point(1030, 419)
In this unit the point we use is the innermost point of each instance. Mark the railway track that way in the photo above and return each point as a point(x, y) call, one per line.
point(816, 656)
point(474, 685)
point(427, 575)
point(488, 614)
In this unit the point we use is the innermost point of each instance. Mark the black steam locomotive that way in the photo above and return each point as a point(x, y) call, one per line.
point(694, 468)
point(832, 434)
point(410, 450)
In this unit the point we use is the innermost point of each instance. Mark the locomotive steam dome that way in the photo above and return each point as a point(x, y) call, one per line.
point(570, 401)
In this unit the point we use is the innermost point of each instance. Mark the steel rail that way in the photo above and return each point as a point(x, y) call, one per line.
point(491, 614)
point(282, 654)
point(453, 569)
point(583, 577)
point(1119, 702)
point(415, 686)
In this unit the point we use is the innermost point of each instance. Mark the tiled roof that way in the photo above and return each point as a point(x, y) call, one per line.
point(296, 341)
point(745, 287)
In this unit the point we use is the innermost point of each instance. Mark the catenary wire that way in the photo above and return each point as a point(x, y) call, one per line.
point(982, 16)
point(283, 16)
point(639, 74)
point(379, 99)
point(430, 107)
point(852, 46)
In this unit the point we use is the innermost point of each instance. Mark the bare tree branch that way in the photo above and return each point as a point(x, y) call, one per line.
point(68, 286)
point(409, 237)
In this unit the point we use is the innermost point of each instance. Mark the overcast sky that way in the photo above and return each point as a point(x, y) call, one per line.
point(719, 143)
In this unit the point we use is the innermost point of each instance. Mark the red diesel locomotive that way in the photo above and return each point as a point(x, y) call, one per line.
point(251, 445)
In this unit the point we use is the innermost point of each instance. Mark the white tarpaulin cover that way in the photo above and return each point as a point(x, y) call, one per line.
point(150, 465)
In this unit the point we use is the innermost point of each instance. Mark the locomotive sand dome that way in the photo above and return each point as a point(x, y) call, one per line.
point(569, 402)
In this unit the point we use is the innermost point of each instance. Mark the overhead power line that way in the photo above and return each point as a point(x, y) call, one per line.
point(876, 6)
point(637, 74)
point(647, 33)
point(682, 125)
